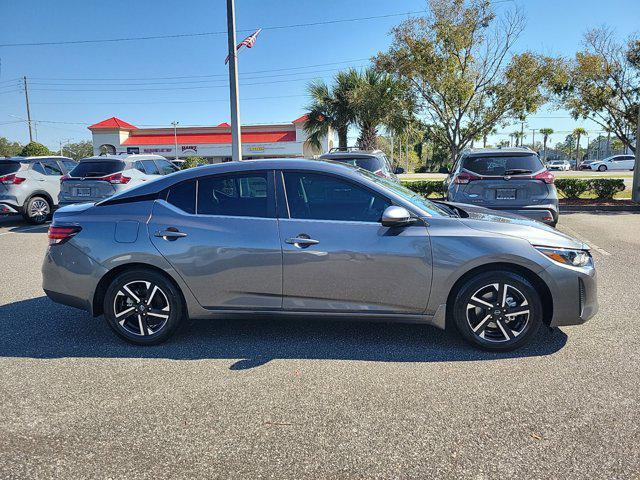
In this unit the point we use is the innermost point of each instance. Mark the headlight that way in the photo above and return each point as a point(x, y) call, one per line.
point(565, 256)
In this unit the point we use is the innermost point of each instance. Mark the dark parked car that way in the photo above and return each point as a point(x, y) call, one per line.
point(508, 179)
point(375, 162)
point(298, 238)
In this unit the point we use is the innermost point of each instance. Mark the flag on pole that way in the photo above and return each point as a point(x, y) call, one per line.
point(247, 42)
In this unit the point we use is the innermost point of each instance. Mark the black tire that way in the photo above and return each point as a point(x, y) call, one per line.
point(37, 210)
point(602, 168)
point(145, 324)
point(504, 331)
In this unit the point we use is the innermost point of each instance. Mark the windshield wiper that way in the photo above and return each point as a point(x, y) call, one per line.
point(517, 171)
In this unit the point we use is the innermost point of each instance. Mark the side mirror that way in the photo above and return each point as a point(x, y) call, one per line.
point(396, 217)
point(398, 170)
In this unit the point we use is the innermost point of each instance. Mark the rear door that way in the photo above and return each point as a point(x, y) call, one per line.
point(227, 249)
point(337, 256)
point(51, 183)
point(503, 181)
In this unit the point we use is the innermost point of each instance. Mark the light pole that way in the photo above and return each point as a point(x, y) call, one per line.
point(236, 142)
point(175, 136)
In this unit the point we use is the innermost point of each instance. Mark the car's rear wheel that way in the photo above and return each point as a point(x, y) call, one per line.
point(498, 310)
point(143, 306)
point(37, 210)
point(602, 168)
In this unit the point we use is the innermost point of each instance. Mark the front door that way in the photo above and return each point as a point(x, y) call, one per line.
point(221, 235)
point(338, 257)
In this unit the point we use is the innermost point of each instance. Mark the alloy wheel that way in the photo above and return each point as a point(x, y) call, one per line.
point(39, 210)
point(498, 312)
point(141, 308)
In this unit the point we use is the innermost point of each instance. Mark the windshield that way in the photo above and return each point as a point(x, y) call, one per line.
point(9, 167)
point(97, 168)
point(412, 197)
point(502, 165)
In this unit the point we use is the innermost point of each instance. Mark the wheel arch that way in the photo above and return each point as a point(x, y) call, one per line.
point(40, 193)
point(540, 285)
point(105, 281)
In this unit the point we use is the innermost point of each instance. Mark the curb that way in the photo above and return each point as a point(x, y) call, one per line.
point(599, 208)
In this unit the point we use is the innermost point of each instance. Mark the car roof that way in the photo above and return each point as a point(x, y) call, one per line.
point(352, 154)
point(122, 158)
point(35, 159)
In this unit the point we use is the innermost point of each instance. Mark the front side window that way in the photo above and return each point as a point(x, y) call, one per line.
point(165, 167)
point(238, 195)
point(38, 168)
point(68, 165)
point(52, 169)
point(322, 197)
point(183, 196)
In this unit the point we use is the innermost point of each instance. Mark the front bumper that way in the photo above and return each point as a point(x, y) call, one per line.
point(70, 277)
point(574, 292)
point(6, 209)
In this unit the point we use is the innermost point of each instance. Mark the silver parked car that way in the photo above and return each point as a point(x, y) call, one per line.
point(29, 185)
point(294, 237)
point(374, 161)
point(508, 179)
point(100, 177)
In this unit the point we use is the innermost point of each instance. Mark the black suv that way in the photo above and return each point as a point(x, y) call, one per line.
point(374, 161)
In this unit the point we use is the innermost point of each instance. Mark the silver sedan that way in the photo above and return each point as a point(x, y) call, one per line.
point(306, 238)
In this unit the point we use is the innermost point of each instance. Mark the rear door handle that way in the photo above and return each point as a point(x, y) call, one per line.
point(301, 241)
point(170, 234)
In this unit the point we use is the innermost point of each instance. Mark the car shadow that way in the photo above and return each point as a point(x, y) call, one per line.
point(16, 224)
point(39, 328)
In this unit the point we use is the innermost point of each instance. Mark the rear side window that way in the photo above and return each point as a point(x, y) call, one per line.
point(183, 196)
point(9, 167)
point(97, 168)
point(502, 165)
point(150, 167)
point(239, 195)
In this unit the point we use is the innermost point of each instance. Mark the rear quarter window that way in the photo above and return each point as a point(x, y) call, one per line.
point(97, 168)
point(9, 167)
point(498, 165)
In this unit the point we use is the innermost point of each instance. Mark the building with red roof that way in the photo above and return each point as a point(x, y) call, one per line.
point(115, 136)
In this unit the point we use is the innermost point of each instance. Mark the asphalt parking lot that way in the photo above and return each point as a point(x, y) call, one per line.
point(296, 399)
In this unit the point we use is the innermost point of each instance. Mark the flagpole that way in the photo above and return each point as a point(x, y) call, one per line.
point(236, 142)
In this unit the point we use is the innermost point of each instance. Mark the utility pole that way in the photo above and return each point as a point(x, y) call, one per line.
point(635, 193)
point(26, 97)
point(175, 136)
point(236, 142)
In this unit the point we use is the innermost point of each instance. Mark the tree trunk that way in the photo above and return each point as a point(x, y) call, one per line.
point(544, 140)
point(484, 141)
point(342, 137)
point(368, 139)
point(577, 151)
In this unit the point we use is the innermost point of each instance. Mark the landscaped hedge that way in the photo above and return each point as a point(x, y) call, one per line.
point(426, 188)
point(604, 188)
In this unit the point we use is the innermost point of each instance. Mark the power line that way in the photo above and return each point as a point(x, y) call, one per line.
point(166, 102)
point(204, 34)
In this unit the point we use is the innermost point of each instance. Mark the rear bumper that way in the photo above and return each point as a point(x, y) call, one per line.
point(543, 213)
point(574, 292)
point(70, 277)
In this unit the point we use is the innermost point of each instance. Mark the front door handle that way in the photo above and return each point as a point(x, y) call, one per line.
point(302, 241)
point(170, 234)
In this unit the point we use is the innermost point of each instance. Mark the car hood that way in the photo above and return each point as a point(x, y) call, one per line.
point(503, 223)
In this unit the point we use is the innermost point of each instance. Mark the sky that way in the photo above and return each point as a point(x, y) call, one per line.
point(72, 86)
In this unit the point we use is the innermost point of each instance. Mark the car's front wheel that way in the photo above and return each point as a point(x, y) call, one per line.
point(37, 210)
point(602, 168)
point(143, 306)
point(498, 310)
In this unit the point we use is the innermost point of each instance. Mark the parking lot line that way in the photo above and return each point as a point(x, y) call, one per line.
point(598, 249)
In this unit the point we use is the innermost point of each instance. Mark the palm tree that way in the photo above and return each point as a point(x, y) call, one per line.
point(330, 107)
point(379, 99)
point(546, 132)
point(577, 133)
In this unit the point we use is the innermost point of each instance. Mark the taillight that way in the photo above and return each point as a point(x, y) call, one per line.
point(11, 179)
point(464, 177)
point(116, 179)
point(546, 177)
point(65, 177)
point(58, 235)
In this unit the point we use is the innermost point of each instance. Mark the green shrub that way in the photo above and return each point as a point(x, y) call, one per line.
point(426, 188)
point(606, 188)
point(572, 187)
point(191, 162)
